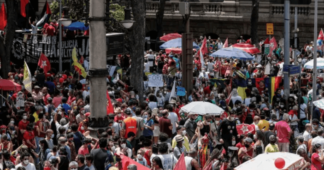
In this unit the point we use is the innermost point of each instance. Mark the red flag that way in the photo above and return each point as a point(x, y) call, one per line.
point(110, 107)
point(273, 45)
point(48, 10)
point(181, 164)
point(257, 81)
point(44, 63)
point(266, 41)
point(225, 43)
point(245, 129)
point(203, 50)
point(81, 60)
point(23, 4)
point(248, 41)
point(3, 17)
point(320, 35)
point(128, 161)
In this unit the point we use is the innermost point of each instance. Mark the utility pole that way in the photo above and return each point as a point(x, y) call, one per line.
point(97, 71)
point(286, 49)
point(296, 22)
point(60, 39)
point(314, 58)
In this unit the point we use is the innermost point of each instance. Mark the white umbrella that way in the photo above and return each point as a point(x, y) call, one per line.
point(319, 103)
point(266, 161)
point(202, 108)
point(320, 64)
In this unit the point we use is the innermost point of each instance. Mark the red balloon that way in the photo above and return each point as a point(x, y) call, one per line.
point(280, 163)
point(64, 76)
point(61, 80)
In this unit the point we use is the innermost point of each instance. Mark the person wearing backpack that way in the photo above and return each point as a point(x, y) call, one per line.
point(101, 158)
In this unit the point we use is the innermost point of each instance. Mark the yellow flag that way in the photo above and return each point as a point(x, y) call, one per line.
point(74, 55)
point(27, 78)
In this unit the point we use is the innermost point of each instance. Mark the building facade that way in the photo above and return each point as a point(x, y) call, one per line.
point(231, 18)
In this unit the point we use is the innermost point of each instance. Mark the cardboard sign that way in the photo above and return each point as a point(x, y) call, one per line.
point(155, 80)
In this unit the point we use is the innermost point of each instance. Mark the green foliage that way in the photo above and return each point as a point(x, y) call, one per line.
point(117, 12)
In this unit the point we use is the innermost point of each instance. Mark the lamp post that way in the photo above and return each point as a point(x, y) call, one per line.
point(65, 21)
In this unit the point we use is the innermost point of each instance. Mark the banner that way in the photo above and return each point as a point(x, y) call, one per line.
point(27, 78)
point(245, 129)
point(155, 80)
point(111, 69)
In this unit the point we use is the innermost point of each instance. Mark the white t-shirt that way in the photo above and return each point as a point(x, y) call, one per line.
point(306, 136)
point(293, 117)
point(85, 94)
point(30, 166)
point(302, 111)
point(169, 161)
point(174, 118)
point(146, 67)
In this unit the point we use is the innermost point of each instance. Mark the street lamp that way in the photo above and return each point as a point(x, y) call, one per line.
point(65, 21)
point(128, 22)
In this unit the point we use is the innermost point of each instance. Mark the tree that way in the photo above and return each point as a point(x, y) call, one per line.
point(7, 40)
point(137, 41)
point(254, 21)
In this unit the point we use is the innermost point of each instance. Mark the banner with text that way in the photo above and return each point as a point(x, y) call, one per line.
point(155, 80)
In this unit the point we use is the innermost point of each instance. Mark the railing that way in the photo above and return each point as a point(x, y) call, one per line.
point(303, 10)
point(211, 8)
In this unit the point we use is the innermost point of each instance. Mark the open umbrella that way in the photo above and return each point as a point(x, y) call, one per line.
point(232, 53)
point(320, 64)
point(176, 50)
point(77, 26)
point(202, 108)
point(175, 43)
point(8, 85)
point(319, 103)
point(249, 48)
point(267, 161)
point(170, 36)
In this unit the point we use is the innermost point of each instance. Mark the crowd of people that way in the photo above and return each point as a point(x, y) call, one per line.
point(48, 127)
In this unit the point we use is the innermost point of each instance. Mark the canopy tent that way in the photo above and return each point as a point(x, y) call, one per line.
point(8, 85)
point(202, 108)
point(310, 64)
point(249, 48)
point(176, 50)
point(170, 36)
point(176, 43)
point(267, 161)
point(77, 26)
point(232, 53)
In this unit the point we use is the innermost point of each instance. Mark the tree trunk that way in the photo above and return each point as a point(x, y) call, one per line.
point(254, 21)
point(159, 19)
point(137, 42)
point(7, 40)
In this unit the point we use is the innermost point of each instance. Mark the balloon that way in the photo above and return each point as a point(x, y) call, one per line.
point(61, 80)
point(280, 163)
point(64, 76)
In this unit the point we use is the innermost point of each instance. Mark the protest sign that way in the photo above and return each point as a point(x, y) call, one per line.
point(155, 80)
point(181, 91)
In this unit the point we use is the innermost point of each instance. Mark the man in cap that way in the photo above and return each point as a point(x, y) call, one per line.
point(181, 132)
point(179, 149)
point(37, 94)
point(190, 161)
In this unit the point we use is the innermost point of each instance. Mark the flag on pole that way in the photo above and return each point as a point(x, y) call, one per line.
point(44, 63)
point(23, 4)
point(27, 78)
point(225, 43)
point(3, 17)
point(320, 39)
point(46, 14)
point(110, 107)
point(181, 164)
point(173, 91)
point(273, 45)
point(77, 66)
point(203, 50)
point(274, 84)
point(266, 46)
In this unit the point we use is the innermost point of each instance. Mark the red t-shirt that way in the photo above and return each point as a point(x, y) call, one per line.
point(165, 123)
point(283, 130)
point(23, 125)
point(29, 136)
point(207, 90)
point(316, 165)
point(45, 98)
point(50, 30)
point(118, 119)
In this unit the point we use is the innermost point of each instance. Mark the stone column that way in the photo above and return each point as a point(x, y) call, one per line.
point(97, 70)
